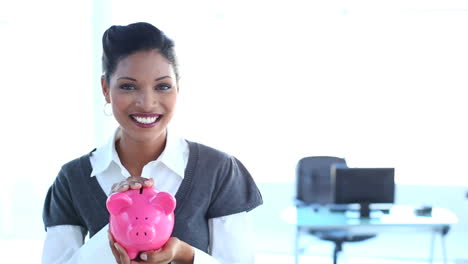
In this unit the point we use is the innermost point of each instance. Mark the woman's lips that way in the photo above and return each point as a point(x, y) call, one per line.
point(145, 120)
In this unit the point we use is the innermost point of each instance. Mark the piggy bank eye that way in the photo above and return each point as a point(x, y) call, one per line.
point(146, 218)
point(136, 218)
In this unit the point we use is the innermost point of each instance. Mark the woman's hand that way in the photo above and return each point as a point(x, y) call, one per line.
point(118, 251)
point(174, 250)
point(131, 183)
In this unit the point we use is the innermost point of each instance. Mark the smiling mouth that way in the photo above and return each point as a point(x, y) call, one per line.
point(146, 119)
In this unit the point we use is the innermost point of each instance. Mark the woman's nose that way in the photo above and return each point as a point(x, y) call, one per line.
point(146, 98)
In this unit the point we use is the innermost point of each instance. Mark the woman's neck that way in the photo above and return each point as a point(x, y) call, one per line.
point(135, 154)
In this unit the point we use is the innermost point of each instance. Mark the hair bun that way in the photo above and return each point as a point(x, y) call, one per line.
point(121, 41)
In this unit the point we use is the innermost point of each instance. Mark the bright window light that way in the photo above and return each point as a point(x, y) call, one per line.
point(380, 83)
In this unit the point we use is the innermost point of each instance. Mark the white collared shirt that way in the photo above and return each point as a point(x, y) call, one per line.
point(229, 235)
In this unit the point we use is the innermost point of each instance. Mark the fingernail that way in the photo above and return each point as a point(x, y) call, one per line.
point(147, 182)
point(124, 186)
point(138, 185)
point(143, 256)
point(117, 246)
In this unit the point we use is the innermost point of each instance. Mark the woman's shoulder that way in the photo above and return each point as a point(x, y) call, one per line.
point(77, 165)
point(212, 159)
point(210, 155)
point(208, 152)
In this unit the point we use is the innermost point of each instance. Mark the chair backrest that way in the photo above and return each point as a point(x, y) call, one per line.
point(313, 179)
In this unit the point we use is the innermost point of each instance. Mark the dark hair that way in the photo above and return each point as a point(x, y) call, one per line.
point(119, 42)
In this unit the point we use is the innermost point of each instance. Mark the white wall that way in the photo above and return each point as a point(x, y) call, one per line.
point(46, 107)
point(380, 83)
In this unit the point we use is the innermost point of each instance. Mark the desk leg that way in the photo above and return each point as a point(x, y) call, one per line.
point(431, 252)
point(444, 249)
point(296, 246)
point(444, 246)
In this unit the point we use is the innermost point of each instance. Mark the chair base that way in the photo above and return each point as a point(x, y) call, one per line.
point(338, 237)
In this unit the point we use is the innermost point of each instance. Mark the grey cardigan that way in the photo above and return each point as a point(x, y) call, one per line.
point(215, 184)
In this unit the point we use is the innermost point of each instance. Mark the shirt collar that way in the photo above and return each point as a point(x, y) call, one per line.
point(171, 156)
point(105, 155)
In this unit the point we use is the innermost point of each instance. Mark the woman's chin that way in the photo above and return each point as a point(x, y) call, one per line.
point(149, 134)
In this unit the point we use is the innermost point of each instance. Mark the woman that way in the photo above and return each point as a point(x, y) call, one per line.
point(213, 190)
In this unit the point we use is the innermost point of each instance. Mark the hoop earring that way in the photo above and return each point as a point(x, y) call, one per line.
point(107, 109)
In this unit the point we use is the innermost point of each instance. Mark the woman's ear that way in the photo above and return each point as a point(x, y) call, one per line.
point(105, 89)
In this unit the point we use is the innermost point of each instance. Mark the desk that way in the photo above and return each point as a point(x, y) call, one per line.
point(400, 218)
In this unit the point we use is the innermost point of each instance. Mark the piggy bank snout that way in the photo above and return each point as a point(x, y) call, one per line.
point(142, 233)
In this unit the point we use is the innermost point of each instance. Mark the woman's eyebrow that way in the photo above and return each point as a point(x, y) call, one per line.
point(126, 78)
point(160, 78)
point(132, 79)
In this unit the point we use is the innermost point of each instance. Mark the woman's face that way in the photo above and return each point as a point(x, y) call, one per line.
point(143, 93)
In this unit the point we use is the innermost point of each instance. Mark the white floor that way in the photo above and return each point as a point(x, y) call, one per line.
point(273, 258)
point(15, 253)
point(21, 250)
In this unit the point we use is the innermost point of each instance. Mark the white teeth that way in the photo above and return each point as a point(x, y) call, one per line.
point(145, 120)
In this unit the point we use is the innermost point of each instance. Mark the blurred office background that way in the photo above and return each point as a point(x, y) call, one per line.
point(380, 83)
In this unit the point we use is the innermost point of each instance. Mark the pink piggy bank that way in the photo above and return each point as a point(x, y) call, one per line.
point(141, 219)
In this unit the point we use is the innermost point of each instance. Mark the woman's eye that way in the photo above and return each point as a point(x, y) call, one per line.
point(163, 86)
point(127, 86)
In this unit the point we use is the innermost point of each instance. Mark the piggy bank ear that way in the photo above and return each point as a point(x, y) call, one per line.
point(118, 202)
point(164, 200)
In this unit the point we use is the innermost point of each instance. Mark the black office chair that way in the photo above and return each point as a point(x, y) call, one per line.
point(314, 188)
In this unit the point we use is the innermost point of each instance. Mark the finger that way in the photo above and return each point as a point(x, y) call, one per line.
point(114, 188)
point(156, 256)
point(123, 188)
point(111, 237)
point(148, 183)
point(136, 179)
point(115, 252)
point(142, 183)
point(124, 258)
point(131, 183)
point(119, 187)
point(135, 185)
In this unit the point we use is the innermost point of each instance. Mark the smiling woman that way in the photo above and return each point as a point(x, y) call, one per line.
point(214, 191)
